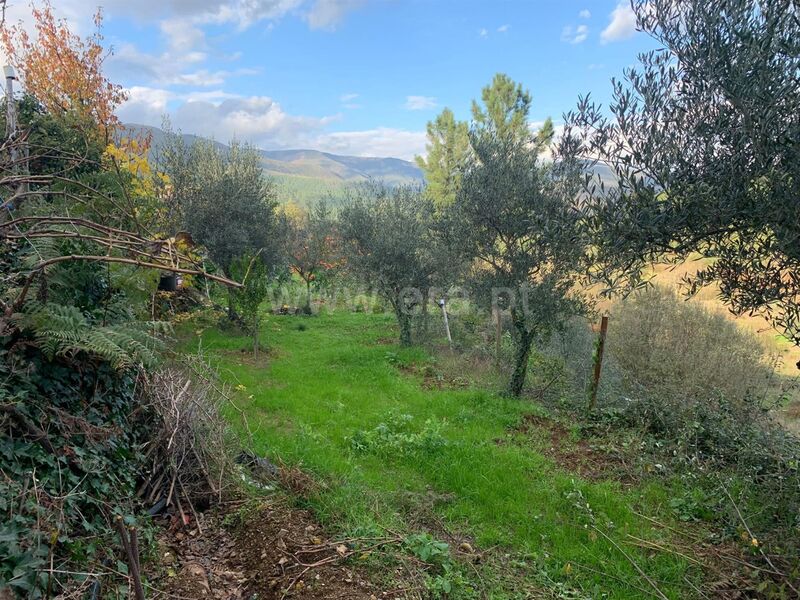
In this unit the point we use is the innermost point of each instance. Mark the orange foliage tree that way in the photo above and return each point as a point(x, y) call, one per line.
point(62, 70)
point(311, 245)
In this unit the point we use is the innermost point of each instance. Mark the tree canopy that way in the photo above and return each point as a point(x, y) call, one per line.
point(448, 151)
point(703, 137)
point(223, 199)
point(385, 233)
point(515, 218)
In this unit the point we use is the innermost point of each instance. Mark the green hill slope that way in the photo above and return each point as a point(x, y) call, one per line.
point(305, 175)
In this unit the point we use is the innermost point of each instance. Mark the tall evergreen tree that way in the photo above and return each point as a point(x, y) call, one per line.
point(448, 152)
point(506, 109)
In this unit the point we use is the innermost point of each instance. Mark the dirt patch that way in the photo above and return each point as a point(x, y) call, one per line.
point(444, 376)
point(244, 356)
point(577, 456)
point(265, 549)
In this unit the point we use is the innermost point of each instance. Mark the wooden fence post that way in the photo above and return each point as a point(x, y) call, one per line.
point(598, 363)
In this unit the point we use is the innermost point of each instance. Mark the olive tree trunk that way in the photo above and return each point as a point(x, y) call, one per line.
point(404, 321)
point(307, 307)
point(522, 352)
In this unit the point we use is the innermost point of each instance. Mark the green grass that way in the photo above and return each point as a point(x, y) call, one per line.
point(322, 385)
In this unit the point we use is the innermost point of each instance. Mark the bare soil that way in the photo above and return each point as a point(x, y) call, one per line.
point(577, 456)
point(265, 549)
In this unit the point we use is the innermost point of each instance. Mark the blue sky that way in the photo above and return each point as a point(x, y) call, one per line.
point(351, 76)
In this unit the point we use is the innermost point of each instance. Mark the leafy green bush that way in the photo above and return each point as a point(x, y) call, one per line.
point(71, 426)
point(58, 492)
point(396, 438)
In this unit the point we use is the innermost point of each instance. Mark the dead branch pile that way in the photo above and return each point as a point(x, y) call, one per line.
point(190, 455)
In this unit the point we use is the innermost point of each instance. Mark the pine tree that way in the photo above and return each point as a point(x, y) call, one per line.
point(448, 152)
point(506, 109)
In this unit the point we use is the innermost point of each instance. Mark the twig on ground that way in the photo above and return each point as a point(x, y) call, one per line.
point(635, 565)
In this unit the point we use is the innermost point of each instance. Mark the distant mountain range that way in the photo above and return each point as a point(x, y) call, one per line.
point(303, 175)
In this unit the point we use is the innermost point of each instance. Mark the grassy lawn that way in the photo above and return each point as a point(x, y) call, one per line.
point(335, 376)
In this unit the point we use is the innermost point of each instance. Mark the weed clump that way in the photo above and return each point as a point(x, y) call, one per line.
point(396, 438)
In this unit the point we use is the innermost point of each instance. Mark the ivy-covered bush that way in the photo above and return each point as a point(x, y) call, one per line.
point(68, 455)
point(71, 426)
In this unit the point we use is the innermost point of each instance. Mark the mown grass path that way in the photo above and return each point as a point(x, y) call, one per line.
point(331, 376)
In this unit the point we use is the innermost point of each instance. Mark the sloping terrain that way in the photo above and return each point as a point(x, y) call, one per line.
point(313, 164)
point(397, 453)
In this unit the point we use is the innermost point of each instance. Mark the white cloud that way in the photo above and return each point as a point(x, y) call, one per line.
point(146, 106)
point(175, 79)
point(574, 35)
point(263, 122)
point(182, 36)
point(128, 63)
point(503, 28)
point(347, 101)
point(327, 14)
point(622, 24)
point(585, 14)
point(189, 14)
point(213, 96)
point(420, 103)
point(382, 141)
point(483, 32)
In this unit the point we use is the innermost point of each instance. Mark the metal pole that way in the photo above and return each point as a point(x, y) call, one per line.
point(11, 134)
point(446, 322)
point(498, 332)
point(11, 113)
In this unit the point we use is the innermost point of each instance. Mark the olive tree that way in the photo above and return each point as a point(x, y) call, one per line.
point(514, 215)
point(222, 197)
point(703, 138)
point(251, 272)
point(230, 205)
point(384, 235)
point(310, 245)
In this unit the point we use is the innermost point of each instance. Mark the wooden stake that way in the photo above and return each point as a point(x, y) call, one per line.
point(598, 363)
point(133, 560)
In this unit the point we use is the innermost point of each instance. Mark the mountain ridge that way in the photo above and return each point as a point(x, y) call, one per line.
point(312, 164)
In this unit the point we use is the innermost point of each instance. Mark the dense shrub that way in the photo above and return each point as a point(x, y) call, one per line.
point(699, 390)
point(60, 488)
point(681, 353)
point(693, 393)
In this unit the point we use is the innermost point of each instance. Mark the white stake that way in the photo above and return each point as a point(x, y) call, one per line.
point(446, 322)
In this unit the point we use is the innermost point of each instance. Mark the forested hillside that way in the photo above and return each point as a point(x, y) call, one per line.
point(303, 176)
